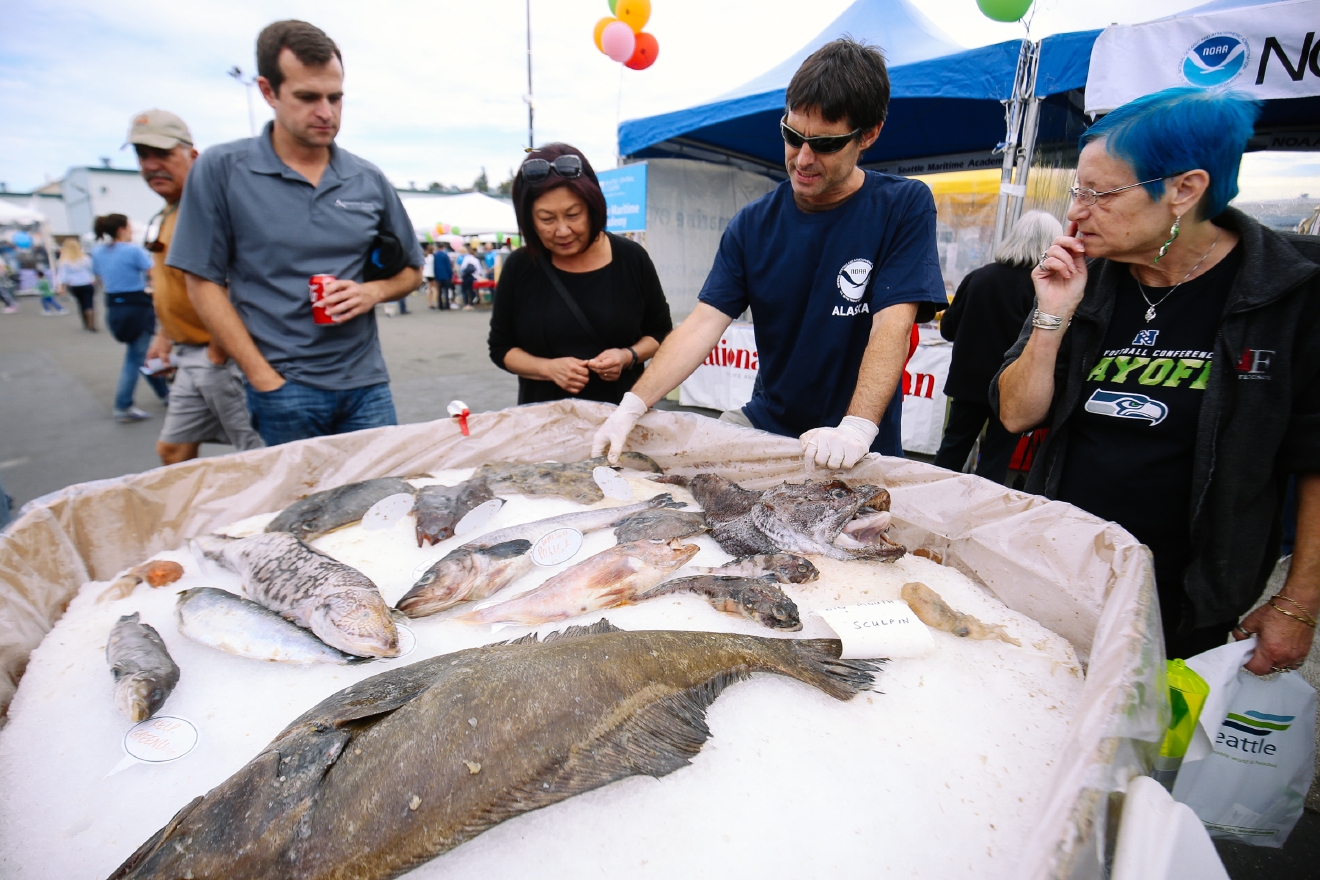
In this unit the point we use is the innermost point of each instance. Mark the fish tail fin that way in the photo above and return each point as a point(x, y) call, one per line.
point(672, 479)
point(818, 664)
point(140, 855)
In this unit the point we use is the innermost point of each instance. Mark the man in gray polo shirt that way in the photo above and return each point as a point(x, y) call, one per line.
point(260, 216)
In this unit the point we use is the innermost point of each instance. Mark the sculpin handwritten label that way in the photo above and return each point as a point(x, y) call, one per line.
point(879, 629)
point(557, 546)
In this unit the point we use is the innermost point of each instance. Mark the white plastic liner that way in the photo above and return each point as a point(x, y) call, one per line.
point(1084, 578)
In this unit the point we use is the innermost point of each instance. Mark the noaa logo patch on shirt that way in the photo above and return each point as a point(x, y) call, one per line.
point(1215, 60)
point(1124, 405)
point(852, 279)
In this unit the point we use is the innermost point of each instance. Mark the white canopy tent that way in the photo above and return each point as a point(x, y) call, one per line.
point(472, 213)
point(13, 215)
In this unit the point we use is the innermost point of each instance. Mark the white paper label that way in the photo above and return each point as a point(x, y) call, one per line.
point(158, 740)
point(477, 517)
point(879, 629)
point(387, 511)
point(407, 640)
point(423, 567)
point(613, 485)
point(558, 546)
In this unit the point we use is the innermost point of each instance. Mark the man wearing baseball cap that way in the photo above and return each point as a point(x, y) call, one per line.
point(208, 403)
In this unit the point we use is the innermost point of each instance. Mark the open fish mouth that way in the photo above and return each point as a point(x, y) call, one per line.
point(865, 536)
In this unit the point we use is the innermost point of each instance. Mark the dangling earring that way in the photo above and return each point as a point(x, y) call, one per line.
point(1173, 236)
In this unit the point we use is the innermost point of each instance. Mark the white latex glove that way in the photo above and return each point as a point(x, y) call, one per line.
point(614, 433)
point(838, 447)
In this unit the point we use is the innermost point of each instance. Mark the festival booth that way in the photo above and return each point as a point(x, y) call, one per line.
point(1085, 579)
point(465, 214)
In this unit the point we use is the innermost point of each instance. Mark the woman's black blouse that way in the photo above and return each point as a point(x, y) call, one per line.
point(623, 301)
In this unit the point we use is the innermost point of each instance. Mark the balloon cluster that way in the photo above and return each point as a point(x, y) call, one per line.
point(621, 37)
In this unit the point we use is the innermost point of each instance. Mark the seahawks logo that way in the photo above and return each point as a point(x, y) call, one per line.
point(1127, 406)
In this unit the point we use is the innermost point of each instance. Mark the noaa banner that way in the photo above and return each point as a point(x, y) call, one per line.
point(1263, 52)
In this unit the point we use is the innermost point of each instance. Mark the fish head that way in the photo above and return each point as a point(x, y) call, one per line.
point(771, 606)
point(791, 569)
point(453, 579)
point(137, 696)
point(819, 510)
point(356, 622)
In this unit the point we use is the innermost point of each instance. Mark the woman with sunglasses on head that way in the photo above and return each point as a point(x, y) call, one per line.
point(577, 310)
point(122, 267)
point(1173, 354)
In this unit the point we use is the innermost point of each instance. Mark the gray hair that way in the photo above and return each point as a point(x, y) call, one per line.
point(1028, 239)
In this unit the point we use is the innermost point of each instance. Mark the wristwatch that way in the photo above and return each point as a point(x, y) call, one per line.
point(1047, 322)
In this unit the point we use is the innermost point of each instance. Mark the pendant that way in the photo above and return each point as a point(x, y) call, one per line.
point(1150, 314)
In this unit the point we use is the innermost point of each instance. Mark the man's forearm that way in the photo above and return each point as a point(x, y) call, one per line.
point(882, 364)
point(1303, 584)
point(682, 352)
point(227, 329)
point(397, 287)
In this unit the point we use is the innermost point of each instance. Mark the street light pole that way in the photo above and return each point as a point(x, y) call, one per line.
point(531, 142)
point(237, 73)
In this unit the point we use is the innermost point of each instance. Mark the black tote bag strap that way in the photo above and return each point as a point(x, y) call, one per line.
point(573, 307)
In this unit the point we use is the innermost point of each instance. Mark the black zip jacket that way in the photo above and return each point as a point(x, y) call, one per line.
point(1259, 421)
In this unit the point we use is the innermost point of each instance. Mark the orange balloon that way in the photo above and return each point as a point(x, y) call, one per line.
point(634, 13)
point(600, 28)
point(648, 49)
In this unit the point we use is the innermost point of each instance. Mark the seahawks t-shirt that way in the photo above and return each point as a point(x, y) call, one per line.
point(1129, 456)
point(813, 282)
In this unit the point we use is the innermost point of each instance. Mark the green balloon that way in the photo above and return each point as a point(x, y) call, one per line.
point(1004, 10)
point(612, 2)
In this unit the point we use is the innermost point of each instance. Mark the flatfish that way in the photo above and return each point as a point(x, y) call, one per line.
point(397, 769)
point(758, 599)
point(617, 576)
point(221, 620)
point(145, 674)
point(322, 512)
point(439, 508)
point(337, 602)
point(660, 525)
point(931, 610)
point(571, 480)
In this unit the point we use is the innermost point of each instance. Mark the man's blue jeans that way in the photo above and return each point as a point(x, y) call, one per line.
point(296, 412)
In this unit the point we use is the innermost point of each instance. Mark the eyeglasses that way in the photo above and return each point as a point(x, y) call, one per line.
point(537, 170)
point(825, 143)
point(1088, 196)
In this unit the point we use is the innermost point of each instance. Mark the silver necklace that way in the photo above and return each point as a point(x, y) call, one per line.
point(1150, 312)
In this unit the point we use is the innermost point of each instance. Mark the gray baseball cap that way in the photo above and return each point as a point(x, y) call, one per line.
point(160, 129)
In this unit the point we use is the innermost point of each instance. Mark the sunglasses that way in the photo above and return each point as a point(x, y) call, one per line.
point(537, 170)
point(826, 143)
point(152, 240)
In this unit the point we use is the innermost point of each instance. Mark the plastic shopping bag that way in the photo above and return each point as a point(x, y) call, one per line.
point(1252, 784)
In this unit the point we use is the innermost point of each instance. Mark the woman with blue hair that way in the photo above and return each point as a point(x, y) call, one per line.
point(1174, 352)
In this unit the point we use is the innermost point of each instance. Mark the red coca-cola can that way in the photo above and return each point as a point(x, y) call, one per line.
point(316, 290)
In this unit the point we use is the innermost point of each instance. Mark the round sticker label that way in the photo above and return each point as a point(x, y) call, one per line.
point(387, 511)
point(478, 516)
point(407, 640)
point(423, 567)
point(558, 546)
point(613, 485)
point(161, 739)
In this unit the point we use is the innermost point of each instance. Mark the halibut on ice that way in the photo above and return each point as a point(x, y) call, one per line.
point(145, 673)
point(221, 620)
point(310, 588)
point(397, 769)
point(613, 577)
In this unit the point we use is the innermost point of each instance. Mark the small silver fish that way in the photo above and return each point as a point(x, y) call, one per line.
point(466, 574)
point(584, 521)
point(145, 674)
point(783, 567)
point(221, 620)
point(310, 588)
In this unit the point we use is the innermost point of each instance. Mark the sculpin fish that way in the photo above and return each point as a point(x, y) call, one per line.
point(221, 620)
point(145, 674)
point(397, 769)
point(617, 576)
point(806, 518)
point(758, 599)
point(337, 602)
point(660, 525)
point(485, 565)
point(571, 480)
point(322, 512)
point(783, 567)
point(439, 508)
point(932, 611)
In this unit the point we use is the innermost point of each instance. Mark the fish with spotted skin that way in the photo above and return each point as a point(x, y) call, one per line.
point(389, 773)
point(755, 598)
point(783, 567)
point(932, 610)
point(438, 509)
point(335, 601)
point(660, 525)
point(572, 480)
point(145, 673)
point(323, 512)
point(617, 576)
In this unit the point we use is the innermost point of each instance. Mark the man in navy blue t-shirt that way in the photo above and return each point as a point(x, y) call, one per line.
point(836, 264)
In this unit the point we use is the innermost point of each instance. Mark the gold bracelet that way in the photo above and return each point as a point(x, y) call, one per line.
point(1298, 605)
point(1305, 620)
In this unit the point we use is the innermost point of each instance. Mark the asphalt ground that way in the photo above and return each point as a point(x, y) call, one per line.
point(57, 382)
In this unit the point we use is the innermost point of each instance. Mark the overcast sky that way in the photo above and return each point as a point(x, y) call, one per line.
point(434, 89)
